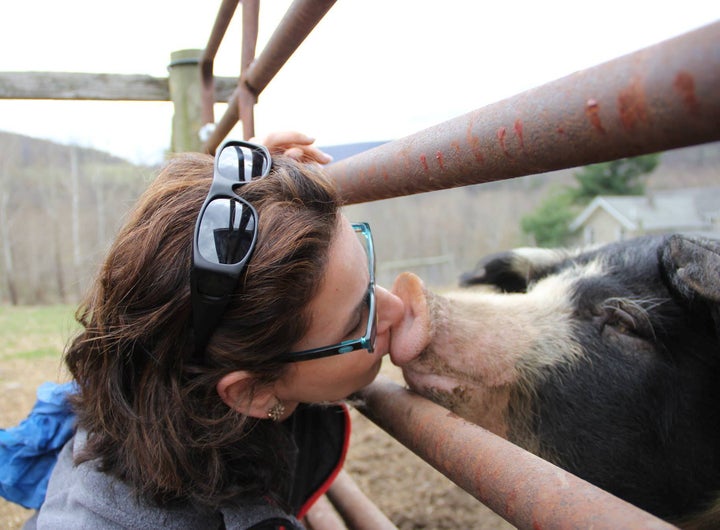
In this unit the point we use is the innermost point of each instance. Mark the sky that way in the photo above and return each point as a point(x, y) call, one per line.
point(371, 70)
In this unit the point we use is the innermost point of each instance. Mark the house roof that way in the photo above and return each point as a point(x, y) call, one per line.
point(338, 152)
point(690, 208)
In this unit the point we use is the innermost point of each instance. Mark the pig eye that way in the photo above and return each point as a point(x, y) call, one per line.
point(627, 317)
point(622, 322)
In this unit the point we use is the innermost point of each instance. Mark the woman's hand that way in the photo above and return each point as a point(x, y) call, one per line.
point(295, 145)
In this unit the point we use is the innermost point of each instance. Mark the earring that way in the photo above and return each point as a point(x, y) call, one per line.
point(276, 411)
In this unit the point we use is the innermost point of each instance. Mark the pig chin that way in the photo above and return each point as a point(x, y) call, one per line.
point(462, 394)
point(440, 371)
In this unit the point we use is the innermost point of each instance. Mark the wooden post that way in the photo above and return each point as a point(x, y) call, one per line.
point(185, 93)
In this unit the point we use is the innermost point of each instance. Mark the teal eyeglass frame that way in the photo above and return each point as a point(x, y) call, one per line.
point(367, 341)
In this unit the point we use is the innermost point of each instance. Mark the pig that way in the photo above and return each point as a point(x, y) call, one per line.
point(604, 361)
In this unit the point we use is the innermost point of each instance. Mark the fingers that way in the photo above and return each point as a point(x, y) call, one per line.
point(313, 154)
point(296, 153)
point(281, 139)
point(295, 145)
point(308, 153)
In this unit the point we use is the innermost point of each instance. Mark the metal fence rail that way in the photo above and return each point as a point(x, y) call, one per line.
point(522, 488)
point(660, 98)
point(256, 73)
point(663, 97)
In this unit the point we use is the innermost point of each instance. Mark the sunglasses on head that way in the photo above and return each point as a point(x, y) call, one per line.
point(225, 234)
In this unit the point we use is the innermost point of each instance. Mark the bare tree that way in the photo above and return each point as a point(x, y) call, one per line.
point(7, 247)
point(6, 169)
point(75, 194)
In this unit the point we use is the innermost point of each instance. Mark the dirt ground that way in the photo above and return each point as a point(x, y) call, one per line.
point(410, 492)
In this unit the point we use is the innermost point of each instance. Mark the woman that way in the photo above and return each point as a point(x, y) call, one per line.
point(216, 317)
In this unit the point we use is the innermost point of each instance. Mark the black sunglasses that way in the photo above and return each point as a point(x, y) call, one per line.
point(225, 235)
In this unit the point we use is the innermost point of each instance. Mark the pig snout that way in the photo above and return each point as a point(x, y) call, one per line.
point(471, 351)
point(432, 351)
point(412, 334)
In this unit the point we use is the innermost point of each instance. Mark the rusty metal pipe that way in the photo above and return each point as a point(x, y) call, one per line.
point(299, 20)
point(242, 102)
point(251, 17)
point(356, 509)
point(519, 486)
point(240, 107)
point(245, 98)
point(222, 21)
point(301, 17)
point(323, 516)
point(226, 123)
point(663, 97)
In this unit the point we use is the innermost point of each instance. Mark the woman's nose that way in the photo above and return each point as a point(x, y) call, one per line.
point(390, 309)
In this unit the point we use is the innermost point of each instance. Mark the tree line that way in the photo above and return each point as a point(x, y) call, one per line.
point(61, 206)
point(549, 224)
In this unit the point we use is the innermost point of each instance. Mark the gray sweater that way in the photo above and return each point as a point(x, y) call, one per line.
point(80, 497)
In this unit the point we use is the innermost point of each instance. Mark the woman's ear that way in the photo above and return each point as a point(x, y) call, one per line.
point(240, 391)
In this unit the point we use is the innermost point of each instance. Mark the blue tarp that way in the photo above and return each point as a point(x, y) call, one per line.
point(29, 451)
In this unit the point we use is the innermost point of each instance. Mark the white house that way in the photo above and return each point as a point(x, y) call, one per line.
point(611, 217)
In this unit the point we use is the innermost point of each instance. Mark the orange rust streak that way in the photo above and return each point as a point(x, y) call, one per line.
point(592, 110)
point(519, 132)
point(501, 133)
point(631, 105)
point(685, 84)
point(474, 143)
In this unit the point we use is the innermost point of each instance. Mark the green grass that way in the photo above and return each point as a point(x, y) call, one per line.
point(34, 332)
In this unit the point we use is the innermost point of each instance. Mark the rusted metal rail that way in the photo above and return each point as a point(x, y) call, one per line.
point(251, 9)
point(357, 511)
point(663, 97)
point(659, 98)
point(296, 25)
point(207, 61)
point(522, 488)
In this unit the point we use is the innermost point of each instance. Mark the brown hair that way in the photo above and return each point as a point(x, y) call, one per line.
point(150, 408)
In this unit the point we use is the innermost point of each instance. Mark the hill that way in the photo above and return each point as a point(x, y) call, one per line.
point(59, 208)
point(61, 205)
point(440, 234)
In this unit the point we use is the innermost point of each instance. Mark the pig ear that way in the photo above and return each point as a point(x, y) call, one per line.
point(513, 270)
point(501, 270)
point(412, 334)
point(692, 269)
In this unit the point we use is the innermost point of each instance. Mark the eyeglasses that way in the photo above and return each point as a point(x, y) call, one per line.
point(367, 340)
point(225, 234)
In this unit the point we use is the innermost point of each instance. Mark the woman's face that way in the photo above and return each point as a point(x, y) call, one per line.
point(334, 318)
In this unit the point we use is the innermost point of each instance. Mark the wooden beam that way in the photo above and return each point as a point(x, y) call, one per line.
point(111, 87)
point(186, 93)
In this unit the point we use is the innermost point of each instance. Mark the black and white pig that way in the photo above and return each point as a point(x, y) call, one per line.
point(605, 362)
